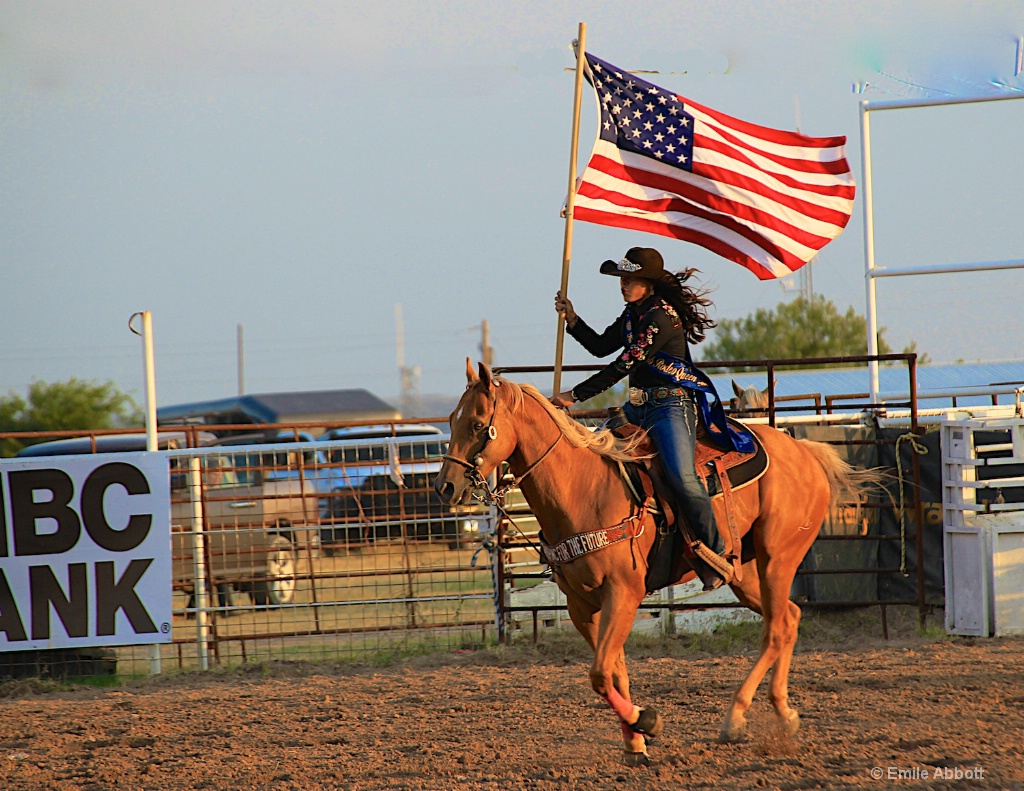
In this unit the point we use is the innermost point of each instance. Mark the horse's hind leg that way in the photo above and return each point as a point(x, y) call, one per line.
point(767, 594)
point(778, 692)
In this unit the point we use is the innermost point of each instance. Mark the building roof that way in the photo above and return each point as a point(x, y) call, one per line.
point(325, 407)
point(933, 382)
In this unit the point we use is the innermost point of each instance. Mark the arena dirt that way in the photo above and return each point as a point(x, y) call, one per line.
point(917, 711)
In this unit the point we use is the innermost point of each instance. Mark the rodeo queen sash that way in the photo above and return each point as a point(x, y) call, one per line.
point(683, 373)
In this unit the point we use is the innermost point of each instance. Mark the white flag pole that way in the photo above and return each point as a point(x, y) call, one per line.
point(570, 201)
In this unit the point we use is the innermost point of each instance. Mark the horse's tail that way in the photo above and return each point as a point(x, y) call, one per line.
point(848, 485)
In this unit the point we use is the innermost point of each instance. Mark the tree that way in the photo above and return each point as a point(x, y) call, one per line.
point(74, 405)
point(799, 329)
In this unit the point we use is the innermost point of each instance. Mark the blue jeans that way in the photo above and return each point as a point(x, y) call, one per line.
point(672, 425)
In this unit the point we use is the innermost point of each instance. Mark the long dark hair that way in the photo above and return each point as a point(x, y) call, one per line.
point(690, 302)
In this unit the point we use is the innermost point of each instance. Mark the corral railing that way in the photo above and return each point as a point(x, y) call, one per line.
point(314, 551)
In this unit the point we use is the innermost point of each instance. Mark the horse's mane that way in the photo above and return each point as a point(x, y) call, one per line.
point(602, 442)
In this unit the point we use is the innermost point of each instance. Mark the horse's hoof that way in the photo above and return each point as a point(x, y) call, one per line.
point(636, 759)
point(649, 723)
point(730, 734)
point(791, 724)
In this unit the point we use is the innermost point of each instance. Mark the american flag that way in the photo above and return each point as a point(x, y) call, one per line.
point(764, 198)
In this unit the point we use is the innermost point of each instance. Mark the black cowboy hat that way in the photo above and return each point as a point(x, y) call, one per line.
point(639, 262)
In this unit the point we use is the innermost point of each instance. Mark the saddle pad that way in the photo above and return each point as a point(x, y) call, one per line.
point(742, 468)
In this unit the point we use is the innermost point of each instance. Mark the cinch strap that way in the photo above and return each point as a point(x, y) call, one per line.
point(584, 543)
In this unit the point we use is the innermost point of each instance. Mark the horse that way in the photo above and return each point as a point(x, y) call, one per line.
point(750, 401)
point(570, 477)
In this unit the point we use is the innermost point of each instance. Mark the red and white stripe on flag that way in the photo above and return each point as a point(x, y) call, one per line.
point(764, 198)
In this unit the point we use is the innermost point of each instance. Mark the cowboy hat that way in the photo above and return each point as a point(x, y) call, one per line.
point(643, 262)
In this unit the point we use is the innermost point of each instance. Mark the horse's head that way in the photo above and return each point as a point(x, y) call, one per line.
point(481, 437)
point(750, 399)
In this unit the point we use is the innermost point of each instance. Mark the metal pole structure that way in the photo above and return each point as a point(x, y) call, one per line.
point(869, 249)
point(152, 444)
point(150, 374)
point(201, 597)
point(570, 201)
point(871, 270)
point(941, 269)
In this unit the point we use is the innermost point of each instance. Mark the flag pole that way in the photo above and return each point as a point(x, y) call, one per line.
point(570, 201)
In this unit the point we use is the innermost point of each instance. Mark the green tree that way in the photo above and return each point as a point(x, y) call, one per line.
point(74, 405)
point(798, 329)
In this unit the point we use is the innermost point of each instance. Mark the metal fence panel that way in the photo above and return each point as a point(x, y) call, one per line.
point(317, 551)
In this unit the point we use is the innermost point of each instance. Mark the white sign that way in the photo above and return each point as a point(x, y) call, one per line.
point(85, 551)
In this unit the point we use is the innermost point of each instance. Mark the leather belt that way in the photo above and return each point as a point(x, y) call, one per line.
point(639, 395)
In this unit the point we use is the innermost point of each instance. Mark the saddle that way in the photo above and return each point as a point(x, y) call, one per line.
point(721, 471)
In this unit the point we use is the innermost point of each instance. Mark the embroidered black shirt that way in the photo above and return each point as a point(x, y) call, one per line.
point(656, 326)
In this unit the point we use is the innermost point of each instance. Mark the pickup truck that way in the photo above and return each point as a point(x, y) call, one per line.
point(383, 488)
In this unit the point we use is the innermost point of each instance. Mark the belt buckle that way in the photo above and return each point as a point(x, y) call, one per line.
point(637, 396)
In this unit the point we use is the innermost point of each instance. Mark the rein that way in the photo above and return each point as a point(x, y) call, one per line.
point(492, 496)
point(479, 482)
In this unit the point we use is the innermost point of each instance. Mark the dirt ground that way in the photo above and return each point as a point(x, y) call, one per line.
point(918, 711)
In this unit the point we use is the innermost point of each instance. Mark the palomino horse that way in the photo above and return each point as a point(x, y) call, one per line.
point(571, 480)
point(750, 401)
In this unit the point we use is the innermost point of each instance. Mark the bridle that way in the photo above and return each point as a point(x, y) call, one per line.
point(492, 496)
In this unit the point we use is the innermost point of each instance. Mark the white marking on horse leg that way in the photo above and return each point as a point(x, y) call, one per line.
point(628, 714)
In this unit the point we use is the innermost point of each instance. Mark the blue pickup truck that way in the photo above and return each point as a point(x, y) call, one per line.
point(382, 487)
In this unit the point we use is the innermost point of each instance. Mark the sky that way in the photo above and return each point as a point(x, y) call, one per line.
point(301, 168)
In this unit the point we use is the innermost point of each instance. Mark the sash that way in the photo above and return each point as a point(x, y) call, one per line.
point(683, 373)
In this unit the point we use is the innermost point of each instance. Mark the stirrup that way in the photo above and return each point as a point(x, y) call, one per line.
point(715, 563)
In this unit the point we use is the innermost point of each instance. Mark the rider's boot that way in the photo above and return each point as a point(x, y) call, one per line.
point(713, 569)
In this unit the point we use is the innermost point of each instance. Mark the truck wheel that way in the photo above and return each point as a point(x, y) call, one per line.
point(277, 586)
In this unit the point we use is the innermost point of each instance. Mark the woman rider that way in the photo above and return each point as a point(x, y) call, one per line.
point(667, 392)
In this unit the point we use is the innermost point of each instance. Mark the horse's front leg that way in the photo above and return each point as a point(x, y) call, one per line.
point(614, 686)
point(610, 680)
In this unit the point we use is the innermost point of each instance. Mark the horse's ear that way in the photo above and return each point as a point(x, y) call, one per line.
point(485, 375)
point(736, 388)
point(471, 376)
point(774, 385)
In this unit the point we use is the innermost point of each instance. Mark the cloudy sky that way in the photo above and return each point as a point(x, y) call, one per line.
point(302, 168)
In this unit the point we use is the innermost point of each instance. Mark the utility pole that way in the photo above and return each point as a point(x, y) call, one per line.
point(409, 395)
point(807, 280)
point(241, 362)
point(486, 352)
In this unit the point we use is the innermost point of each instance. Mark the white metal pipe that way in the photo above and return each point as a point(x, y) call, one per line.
point(974, 266)
point(957, 392)
point(152, 443)
point(869, 247)
point(899, 104)
point(199, 591)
